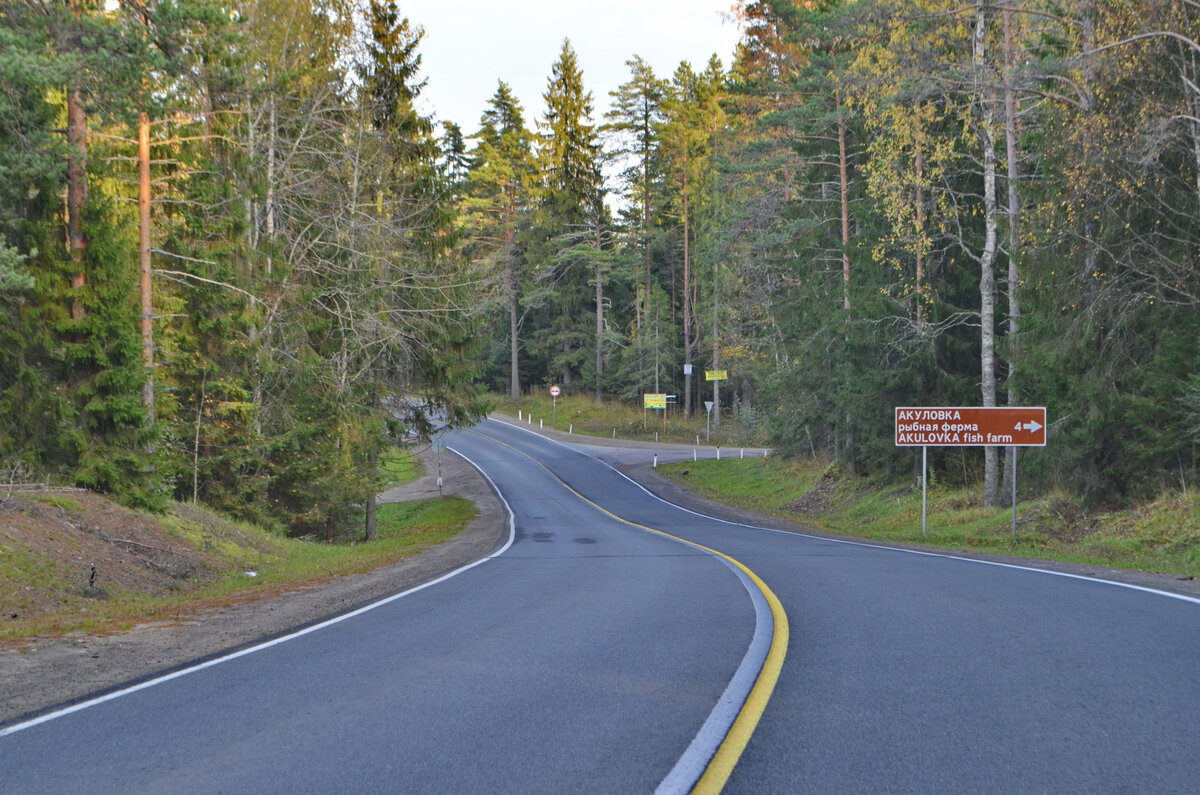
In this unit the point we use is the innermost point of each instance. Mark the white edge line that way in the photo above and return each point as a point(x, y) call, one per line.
point(29, 724)
point(1100, 580)
point(688, 769)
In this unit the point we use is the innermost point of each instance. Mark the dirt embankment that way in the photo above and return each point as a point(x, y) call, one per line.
point(130, 551)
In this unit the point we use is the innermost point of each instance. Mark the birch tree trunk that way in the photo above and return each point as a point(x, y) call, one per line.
point(1014, 240)
point(987, 259)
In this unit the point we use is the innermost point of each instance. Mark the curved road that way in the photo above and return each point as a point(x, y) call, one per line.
point(589, 654)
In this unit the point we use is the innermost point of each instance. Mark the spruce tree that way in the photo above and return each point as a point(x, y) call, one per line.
point(570, 212)
point(498, 204)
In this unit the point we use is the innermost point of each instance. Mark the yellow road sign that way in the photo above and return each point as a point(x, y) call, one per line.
point(716, 375)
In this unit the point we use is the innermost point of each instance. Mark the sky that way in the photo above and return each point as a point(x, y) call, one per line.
point(471, 44)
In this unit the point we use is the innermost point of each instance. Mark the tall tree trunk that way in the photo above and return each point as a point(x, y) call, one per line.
point(272, 123)
point(689, 341)
point(1091, 228)
point(919, 158)
point(144, 282)
point(514, 370)
point(599, 274)
point(844, 184)
point(1014, 241)
point(987, 259)
point(76, 192)
point(514, 326)
point(716, 347)
point(196, 441)
point(372, 508)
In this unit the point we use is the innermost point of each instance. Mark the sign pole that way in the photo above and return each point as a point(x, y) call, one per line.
point(1014, 494)
point(555, 391)
point(924, 486)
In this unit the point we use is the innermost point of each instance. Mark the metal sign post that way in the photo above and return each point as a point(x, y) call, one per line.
point(438, 451)
point(924, 488)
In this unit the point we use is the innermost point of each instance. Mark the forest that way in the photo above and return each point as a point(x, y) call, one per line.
point(237, 263)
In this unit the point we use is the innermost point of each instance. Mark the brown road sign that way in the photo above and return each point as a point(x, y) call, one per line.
point(971, 427)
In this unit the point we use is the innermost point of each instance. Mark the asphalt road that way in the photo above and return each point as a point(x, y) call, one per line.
point(911, 672)
point(589, 654)
point(582, 658)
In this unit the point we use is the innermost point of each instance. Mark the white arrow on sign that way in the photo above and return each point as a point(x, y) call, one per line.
point(1032, 426)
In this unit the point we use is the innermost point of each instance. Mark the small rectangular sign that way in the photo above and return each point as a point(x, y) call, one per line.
point(977, 426)
point(655, 400)
point(716, 375)
point(687, 369)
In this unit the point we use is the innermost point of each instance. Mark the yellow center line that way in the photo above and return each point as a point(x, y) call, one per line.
point(721, 766)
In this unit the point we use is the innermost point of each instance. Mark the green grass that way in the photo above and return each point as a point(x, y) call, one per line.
point(586, 417)
point(402, 530)
point(767, 484)
point(1161, 537)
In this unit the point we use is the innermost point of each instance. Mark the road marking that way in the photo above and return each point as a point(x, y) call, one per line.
point(92, 702)
point(714, 752)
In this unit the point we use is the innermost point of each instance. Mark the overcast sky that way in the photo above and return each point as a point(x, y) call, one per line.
point(470, 44)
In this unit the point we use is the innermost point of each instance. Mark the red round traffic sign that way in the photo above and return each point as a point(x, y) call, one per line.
point(555, 391)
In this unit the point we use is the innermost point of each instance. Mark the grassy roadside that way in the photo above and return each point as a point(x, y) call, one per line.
point(1163, 536)
point(584, 416)
point(167, 567)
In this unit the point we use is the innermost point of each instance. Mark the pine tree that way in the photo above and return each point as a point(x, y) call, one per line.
point(692, 115)
point(633, 122)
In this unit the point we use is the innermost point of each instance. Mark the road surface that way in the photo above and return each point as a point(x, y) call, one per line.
point(593, 654)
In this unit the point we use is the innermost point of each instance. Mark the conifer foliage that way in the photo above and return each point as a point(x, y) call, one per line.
point(878, 203)
point(307, 302)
